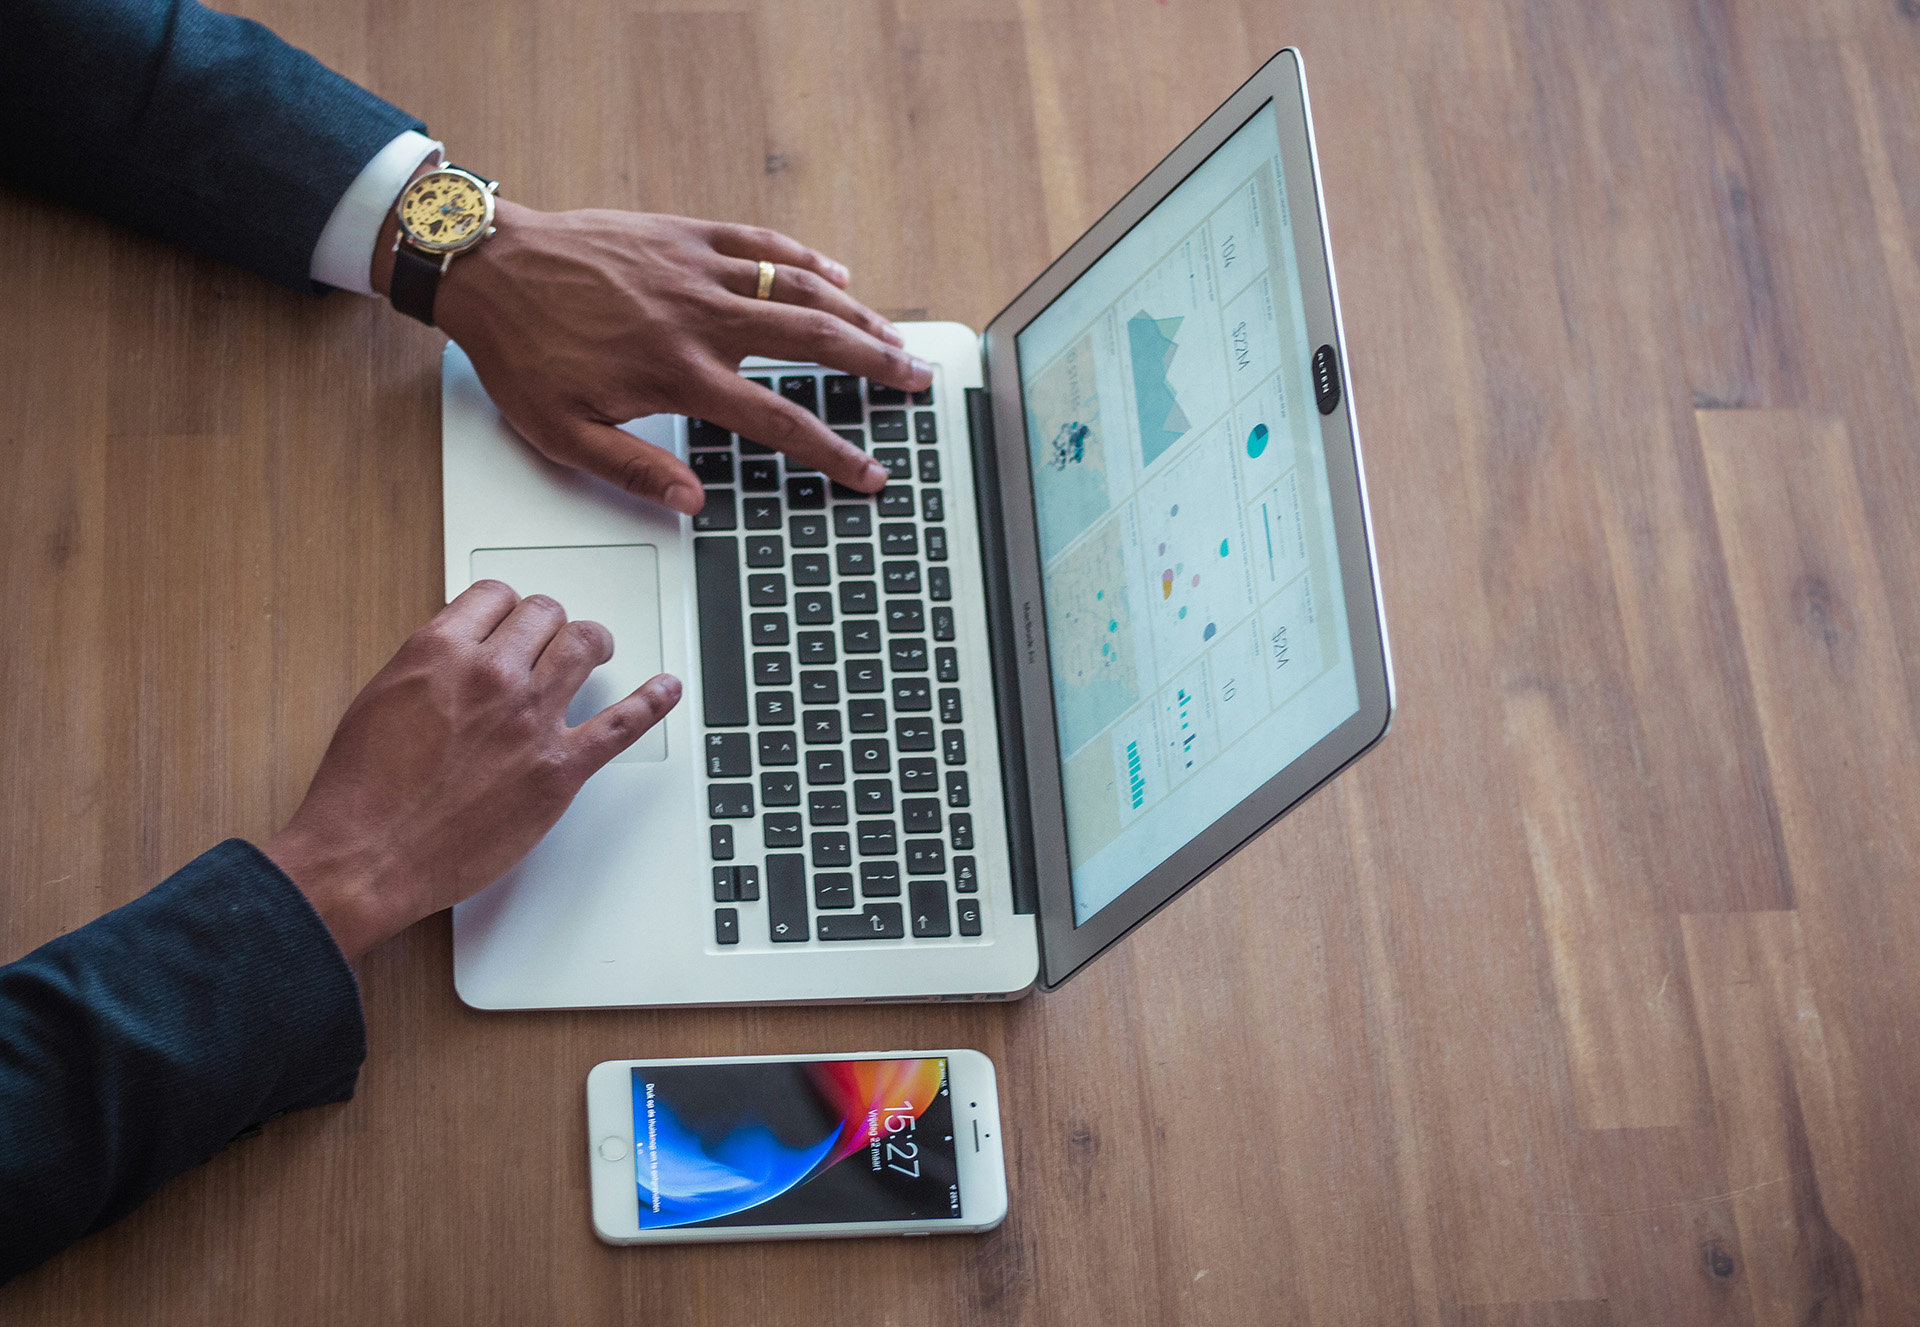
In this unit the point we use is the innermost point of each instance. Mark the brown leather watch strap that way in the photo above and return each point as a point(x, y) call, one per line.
point(415, 281)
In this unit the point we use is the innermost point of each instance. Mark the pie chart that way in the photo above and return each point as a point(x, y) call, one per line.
point(1257, 440)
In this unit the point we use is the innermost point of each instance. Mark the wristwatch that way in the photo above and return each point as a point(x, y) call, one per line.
point(443, 214)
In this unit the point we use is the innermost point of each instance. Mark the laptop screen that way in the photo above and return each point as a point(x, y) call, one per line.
point(1195, 617)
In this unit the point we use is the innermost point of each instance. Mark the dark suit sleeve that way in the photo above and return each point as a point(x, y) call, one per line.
point(186, 124)
point(139, 1045)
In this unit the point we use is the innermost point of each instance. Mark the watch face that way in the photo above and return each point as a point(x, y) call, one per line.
point(442, 210)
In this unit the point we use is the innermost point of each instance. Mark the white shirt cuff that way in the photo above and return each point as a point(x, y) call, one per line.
point(344, 255)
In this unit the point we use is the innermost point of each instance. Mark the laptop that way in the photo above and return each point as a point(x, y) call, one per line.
point(1114, 613)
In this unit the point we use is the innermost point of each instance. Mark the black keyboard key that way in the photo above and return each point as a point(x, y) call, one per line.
point(871, 755)
point(859, 597)
point(812, 608)
point(768, 628)
point(803, 391)
point(900, 577)
point(899, 541)
point(779, 748)
point(729, 755)
point(895, 501)
point(859, 439)
point(730, 801)
point(907, 654)
point(877, 838)
point(816, 647)
point(765, 550)
point(966, 877)
point(929, 467)
point(821, 727)
point(876, 921)
point(949, 704)
point(762, 382)
point(767, 589)
point(927, 905)
point(953, 746)
point(723, 651)
point(819, 688)
point(860, 636)
point(826, 767)
point(772, 708)
point(786, 898)
point(864, 675)
point(920, 815)
point(720, 842)
point(957, 794)
point(827, 808)
point(811, 569)
point(960, 825)
point(833, 889)
point(933, 507)
point(843, 399)
point(833, 848)
point(806, 492)
point(919, 775)
point(781, 829)
point(968, 911)
point(880, 879)
point(936, 544)
point(867, 715)
point(905, 615)
point(926, 857)
point(723, 884)
point(911, 694)
point(854, 559)
point(853, 522)
point(726, 926)
point(702, 434)
point(881, 394)
point(896, 461)
point(781, 787)
point(808, 531)
point(888, 425)
point(871, 797)
point(946, 664)
point(761, 513)
point(761, 474)
point(940, 586)
point(924, 396)
point(942, 617)
point(712, 467)
point(914, 734)
point(924, 427)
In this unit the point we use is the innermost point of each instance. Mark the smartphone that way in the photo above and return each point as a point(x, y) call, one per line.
point(795, 1147)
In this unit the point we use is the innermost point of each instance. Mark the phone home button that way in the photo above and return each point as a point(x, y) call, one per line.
point(613, 1148)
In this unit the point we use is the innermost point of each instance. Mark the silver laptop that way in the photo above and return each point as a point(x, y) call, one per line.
point(1115, 612)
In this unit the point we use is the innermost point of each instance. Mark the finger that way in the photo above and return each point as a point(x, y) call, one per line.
point(786, 331)
point(576, 650)
point(623, 460)
point(765, 417)
point(624, 722)
point(526, 630)
point(797, 285)
point(477, 610)
point(757, 242)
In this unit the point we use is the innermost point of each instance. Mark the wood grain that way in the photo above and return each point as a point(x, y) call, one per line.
point(1587, 999)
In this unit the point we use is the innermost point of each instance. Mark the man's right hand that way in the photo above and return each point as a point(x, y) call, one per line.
point(454, 761)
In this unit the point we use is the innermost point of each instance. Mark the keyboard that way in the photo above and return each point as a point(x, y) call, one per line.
point(836, 758)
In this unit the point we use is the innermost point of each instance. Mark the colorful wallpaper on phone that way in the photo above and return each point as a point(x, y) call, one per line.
point(794, 1143)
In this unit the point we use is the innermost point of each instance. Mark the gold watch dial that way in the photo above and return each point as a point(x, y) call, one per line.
point(442, 210)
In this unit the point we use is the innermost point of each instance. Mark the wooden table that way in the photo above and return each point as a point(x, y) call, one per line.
point(1592, 997)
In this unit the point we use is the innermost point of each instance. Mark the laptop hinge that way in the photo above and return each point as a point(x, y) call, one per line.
point(1001, 644)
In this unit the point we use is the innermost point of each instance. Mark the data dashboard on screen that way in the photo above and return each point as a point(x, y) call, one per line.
point(1195, 619)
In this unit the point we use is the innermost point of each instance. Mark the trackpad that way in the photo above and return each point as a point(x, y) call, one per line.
point(616, 585)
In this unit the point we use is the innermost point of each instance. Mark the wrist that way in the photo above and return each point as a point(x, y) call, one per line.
point(476, 276)
point(380, 275)
point(340, 884)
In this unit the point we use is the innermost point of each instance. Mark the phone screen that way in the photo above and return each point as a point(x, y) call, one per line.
point(799, 1142)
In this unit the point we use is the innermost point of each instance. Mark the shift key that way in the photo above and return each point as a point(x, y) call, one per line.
point(877, 921)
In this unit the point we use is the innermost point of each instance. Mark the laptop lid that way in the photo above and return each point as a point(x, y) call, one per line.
point(1188, 633)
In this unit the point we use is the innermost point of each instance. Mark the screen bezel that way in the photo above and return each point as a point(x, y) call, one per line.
point(982, 1174)
point(1065, 947)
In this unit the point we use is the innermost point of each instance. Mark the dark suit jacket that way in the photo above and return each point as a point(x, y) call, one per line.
point(136, 1046)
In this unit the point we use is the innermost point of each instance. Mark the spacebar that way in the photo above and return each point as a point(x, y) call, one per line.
point(877, 921)
point(723, 647)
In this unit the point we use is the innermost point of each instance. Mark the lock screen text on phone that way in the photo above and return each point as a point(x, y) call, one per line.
point(794, 1143)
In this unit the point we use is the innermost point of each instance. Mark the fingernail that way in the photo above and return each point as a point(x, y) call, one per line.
point(840, 271)
point(891, 335)
point(874, 475)
point(669, 687)
point(682, 498)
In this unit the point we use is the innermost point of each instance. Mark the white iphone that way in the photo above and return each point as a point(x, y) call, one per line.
point(795, 1147)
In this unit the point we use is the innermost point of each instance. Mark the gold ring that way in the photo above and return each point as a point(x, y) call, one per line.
point(766, 281)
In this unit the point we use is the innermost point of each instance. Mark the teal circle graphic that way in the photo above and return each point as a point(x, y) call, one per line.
point(1257, 440)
